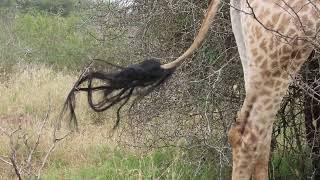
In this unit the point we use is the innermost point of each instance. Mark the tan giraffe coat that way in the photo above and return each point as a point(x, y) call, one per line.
point(271, 41)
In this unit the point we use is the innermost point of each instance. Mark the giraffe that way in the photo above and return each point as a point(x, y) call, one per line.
point(272, 40)
point(272, 45)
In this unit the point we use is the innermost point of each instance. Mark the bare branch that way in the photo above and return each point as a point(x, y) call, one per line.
point(44, 122)
point(51, 149)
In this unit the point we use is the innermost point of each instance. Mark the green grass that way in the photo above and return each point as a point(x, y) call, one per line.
point(287, 166)
point(104, 163)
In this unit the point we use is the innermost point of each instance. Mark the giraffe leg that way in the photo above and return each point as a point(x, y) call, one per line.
point(261, 167)
point(241, 168)
point(244, 142)
point(250, 137)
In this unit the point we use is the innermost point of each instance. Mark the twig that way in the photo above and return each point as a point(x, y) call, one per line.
point(53, 146)
point(13, 152)
point(14, 164)
point(4, 131)
point(44, 121)
point(265, 27)
point(5, 161)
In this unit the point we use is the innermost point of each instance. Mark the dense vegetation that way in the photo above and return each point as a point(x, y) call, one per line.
point(177, 132)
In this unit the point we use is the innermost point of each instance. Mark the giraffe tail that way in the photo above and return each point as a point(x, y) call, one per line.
point(118, 87)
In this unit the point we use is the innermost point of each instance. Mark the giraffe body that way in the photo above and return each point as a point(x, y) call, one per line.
point(273, 39)
point(270, 39)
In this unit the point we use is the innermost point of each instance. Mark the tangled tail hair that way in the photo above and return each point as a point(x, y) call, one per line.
point(117, 88)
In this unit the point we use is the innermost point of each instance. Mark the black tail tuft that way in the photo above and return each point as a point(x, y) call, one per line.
point(117, 87)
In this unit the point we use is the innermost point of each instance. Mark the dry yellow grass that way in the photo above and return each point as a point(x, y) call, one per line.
point(27, 94)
